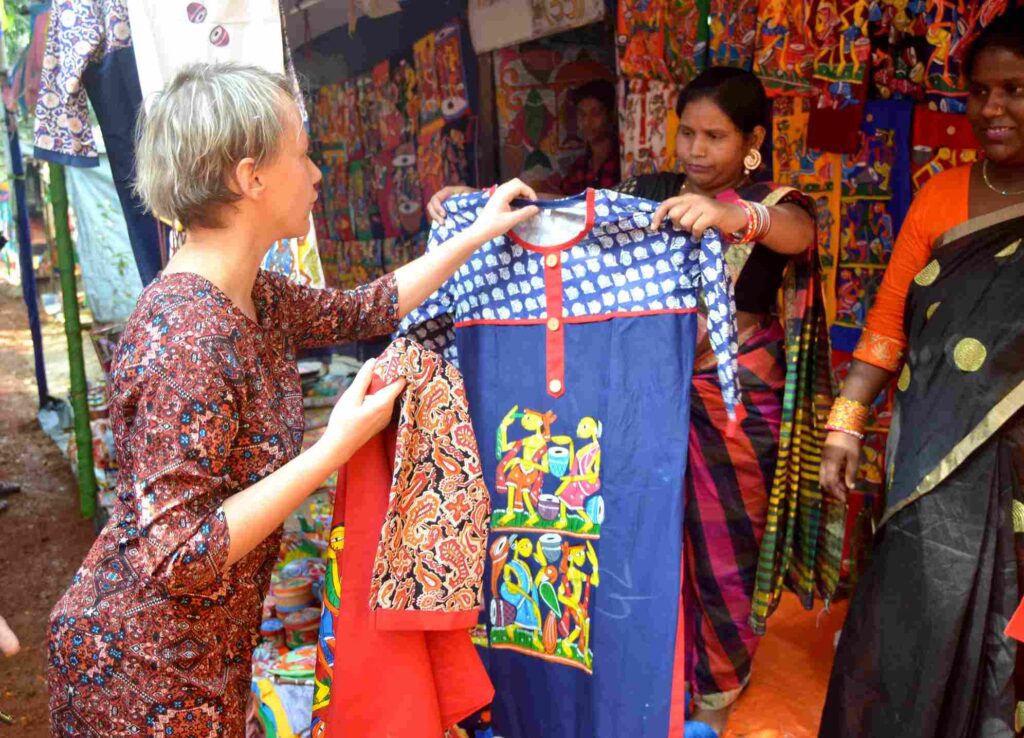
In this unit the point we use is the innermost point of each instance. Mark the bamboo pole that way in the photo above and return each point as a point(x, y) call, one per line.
point(73, 329)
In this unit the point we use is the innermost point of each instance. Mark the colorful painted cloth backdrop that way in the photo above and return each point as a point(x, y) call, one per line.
point(536, 117)
point(385, 142)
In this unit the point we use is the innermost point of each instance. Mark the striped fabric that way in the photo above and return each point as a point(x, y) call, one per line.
point(756, 521)
point(803, 540)
point(728, 481)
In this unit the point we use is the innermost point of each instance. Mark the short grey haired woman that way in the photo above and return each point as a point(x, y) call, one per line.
point(155, 633)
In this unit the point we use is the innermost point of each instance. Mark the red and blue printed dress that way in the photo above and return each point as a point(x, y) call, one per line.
point(575, 335)
point(155, 634)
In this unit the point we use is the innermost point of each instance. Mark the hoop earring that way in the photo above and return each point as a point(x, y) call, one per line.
point(752, 161)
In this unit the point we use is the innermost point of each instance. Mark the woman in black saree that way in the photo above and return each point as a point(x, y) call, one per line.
point(923, 652)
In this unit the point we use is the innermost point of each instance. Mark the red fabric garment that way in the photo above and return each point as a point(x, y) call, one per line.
point(406, 672)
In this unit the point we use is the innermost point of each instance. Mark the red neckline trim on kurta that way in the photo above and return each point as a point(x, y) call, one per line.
point(571, 242)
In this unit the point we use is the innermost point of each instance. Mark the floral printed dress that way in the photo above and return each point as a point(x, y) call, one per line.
point(155, 634)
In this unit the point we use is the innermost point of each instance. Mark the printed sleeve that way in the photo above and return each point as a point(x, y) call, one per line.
point(323, 317)
point(432, 324)
point(63, 133)
point(717, 289)
point(185, 421)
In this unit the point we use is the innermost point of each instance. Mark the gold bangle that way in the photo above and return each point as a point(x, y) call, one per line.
point(848, 415)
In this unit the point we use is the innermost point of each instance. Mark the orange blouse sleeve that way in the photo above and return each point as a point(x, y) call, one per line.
point(940, 205)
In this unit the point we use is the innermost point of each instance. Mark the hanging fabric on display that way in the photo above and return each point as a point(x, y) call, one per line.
point(732, 27)
point(170, 34)
point(941, 141)
point(584, 452)
point(783, 47)
point(386, 141)
point(413, 516)
point(647, 123)
point(90, 58)
point(496, 24)
point(536, 116)
point(109, 277)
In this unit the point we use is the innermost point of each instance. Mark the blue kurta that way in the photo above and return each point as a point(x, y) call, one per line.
point(576, 335)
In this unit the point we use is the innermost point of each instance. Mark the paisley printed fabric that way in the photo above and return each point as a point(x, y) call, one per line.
point(155, 634)
point(82, 33)
point(432, 545)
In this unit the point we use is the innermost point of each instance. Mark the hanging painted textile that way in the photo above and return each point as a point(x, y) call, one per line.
point(640, 39)
point(451, 72)
point(362, 201)
point(398, 191)
point(645, 109)
point(497, 24)
point(841, 38)
point(396, 252)
point(899, 49)
point(368, 106)
point(732, 26)
point(815, 173)
point(334, 196)
point(952, 25)
point(686, 38)
point(536, 117)
point(784, 50)
point(582, 579)
point(880, 169)
point(940, 141)
point(428, 88)
point(335, 121)
point(359, 262)
point(397, 112)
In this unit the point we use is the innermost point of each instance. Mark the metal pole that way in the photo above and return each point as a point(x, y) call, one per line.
point(73, 329)
point(28, 275)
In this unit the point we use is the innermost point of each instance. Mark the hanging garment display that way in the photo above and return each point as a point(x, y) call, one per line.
point(413, 515)
point(583, 572)
point(646, 112)
point(731, 29)
point(640, 38)
point(899, 49)
point(941, 141)
point(686, 38)
point(109, 277)
point(952, 25)
point(841, 38)
point(784, 50)
point(817, 174)
point(89, 58)
point(336, 123)
point(171, 33)
point(497, 24)
point(536, 115)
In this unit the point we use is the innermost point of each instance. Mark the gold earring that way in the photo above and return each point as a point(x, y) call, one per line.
point(752, 162)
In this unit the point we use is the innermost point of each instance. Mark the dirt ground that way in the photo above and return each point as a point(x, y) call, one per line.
point(43, 538)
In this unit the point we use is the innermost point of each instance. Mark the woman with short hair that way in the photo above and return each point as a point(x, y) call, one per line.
point(156, 632)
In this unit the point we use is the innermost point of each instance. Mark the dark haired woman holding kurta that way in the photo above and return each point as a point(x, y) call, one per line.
point(753, 513)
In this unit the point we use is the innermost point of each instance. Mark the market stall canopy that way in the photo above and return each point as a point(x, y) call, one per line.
point(308, 19)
